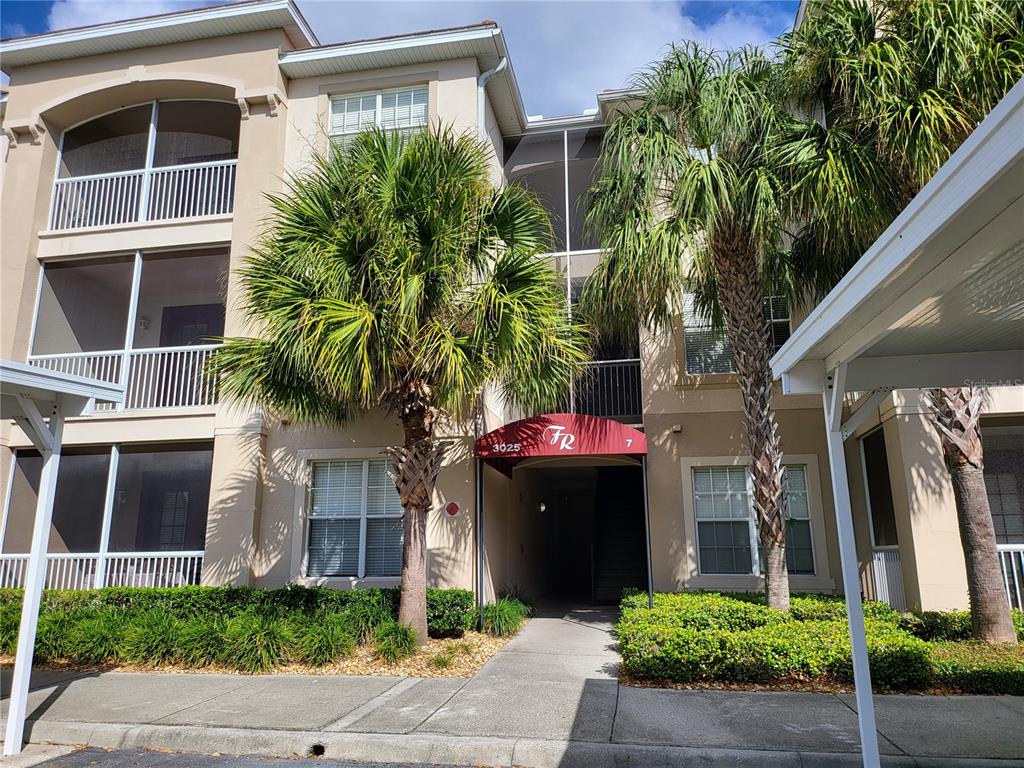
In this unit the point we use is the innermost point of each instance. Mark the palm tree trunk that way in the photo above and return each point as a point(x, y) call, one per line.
point(956, 414)
point(414, 469)
point(742, 299)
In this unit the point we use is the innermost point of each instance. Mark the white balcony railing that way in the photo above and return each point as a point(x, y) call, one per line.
point(886, 578)
point(1011, 563)
point(170, 377)
point(89, 570)
point(159, 377)
point(170, 192)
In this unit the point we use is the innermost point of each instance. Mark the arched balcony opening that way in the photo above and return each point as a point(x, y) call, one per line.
point(155, 161)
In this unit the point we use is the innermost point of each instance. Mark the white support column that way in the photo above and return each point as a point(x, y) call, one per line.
point(147, 176)
point(129, 332)
point(100, 577)
point(832, 401)
point(35, 578)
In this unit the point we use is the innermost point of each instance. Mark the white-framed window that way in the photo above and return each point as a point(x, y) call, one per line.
point(395, 109)
point(727, 540)
point(355, 520)
point(708, 349)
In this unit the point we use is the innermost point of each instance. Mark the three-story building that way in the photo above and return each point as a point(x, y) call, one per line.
point(138, 156)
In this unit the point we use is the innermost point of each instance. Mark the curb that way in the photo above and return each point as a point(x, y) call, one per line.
point(452, 750)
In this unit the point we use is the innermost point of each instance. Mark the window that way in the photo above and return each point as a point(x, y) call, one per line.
point(355, 520)
point(398, 109)
point(1004, 481)
point(727, 538)
point(708, 349)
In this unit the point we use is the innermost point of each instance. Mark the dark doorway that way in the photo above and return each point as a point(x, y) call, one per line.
point(191, 324)
point(595, 534)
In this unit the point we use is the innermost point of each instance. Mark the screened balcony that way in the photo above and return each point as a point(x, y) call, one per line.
point(148, 321)
point(152, 162)
point(123, 516)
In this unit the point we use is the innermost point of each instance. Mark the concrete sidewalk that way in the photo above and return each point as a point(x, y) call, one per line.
point(549, 698)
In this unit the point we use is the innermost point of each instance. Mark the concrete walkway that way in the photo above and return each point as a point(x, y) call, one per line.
point(549, 698)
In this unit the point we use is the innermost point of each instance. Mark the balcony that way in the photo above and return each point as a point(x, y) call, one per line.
point(123, 516)
point(609, 388)
point(148, 321)
point(153, 162)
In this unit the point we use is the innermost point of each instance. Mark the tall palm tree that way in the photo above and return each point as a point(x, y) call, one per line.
point(393, 275)
point(686, 198)
point(909, 79)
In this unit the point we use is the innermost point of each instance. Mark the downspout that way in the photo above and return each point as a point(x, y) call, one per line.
point(481, 95)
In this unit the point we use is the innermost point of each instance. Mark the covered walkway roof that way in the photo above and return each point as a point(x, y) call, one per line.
point(937, 301)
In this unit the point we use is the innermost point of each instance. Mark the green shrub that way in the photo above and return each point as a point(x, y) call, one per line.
point(442, 659)
point(504, 617)
point(942, 626)
point(394, 641)
point(322, 639)
point(450, 612)
point(96, 637)
point(53, 634)
point(979, 668)
point(256, 642)
point(151, 637)
point(700, 610)
point(201, 640)
point(10, 617)
point(363, 617)
point(712, 637)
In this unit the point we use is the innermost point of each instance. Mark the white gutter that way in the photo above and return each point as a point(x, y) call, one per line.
point(481, 95)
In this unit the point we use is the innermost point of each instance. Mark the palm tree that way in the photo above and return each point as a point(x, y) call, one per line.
point(909, 81)
point(686, 197)
point(393, 275)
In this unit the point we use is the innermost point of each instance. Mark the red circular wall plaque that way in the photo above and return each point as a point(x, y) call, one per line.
point(452, 508)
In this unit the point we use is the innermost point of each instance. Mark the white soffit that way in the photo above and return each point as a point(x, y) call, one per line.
point(938, 299)
point(48, 388)
point(164, 29)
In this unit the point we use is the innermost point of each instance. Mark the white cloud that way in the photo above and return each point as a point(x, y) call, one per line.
point(65, 14)
point(13, 30)
point(563, 52)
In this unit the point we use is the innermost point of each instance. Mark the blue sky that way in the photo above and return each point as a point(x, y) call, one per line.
point(563, 51)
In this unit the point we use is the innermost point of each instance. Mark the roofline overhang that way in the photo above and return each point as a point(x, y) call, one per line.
point(22, 51)
point(994, 149)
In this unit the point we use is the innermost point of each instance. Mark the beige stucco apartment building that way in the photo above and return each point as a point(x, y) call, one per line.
point(136, 159)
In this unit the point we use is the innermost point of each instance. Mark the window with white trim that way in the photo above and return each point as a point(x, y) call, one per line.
point(727, 540)
point(355, 520)
point(708, 349)
point(395, 109)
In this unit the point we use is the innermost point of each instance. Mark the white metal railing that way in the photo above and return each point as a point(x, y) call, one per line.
point(610, 388)
point(105, 365)
point(123, 197)
point(1011, 563)
point(98, 200)
point(72, 570)
point(887, 577)
point(170, 377)
point(158, 377)
point(182, 191)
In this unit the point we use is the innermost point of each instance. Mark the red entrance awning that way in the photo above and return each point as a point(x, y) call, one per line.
point(560, 434)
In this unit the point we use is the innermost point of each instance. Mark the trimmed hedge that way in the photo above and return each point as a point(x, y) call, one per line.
point(979, 668)
point(250, 630)
point(950, 625)
point(711, 637)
